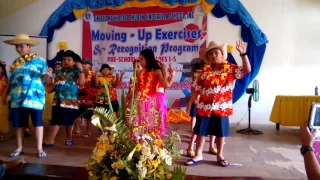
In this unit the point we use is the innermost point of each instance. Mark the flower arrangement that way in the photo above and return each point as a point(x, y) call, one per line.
point(22, 59)
point(127, 151)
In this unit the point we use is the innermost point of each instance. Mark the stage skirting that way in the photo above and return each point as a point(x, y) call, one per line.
point(292, 110)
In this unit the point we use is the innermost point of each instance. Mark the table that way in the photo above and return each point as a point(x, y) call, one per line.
point(292, 110)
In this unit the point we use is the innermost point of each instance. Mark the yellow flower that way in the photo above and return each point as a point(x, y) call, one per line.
point(152, 133)
point(90, 173)
point(109, 148)
point(155, 163)
point(135, 129)
point(114, 178)
point(171, 139)
point(111, 139)
point(169, 176)
point(129, 157)
point(62, 45)
point(158, 142)
point(230, 48)
point(117, 165)
point(138, 147)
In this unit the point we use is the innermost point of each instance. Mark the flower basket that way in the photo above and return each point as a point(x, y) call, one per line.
point(128, 151)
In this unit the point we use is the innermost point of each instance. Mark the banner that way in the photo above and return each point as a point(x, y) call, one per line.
point(116, 37)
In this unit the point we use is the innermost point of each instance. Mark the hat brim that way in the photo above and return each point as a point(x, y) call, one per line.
point(22, 41)
point(203, 52)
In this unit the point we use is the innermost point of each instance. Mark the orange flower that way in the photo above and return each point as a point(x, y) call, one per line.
point(21, 61)
point(145, 79)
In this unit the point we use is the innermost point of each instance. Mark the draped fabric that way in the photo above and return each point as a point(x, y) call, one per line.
point(256, 45)
point(70, 10)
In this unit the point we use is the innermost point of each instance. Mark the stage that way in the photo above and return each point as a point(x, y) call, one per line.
point(273, 155)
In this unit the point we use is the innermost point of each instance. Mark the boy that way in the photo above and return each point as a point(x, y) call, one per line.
point(101, 96)
point(65, 101)
point(86, 99)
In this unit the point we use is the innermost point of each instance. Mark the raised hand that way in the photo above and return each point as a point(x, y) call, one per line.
point(79, 66)
point(171, 70)
point(49, 71)
point(307, 136)
point(122, 73)
point(241, 47)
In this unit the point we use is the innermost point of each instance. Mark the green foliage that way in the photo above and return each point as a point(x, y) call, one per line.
point(117, 135)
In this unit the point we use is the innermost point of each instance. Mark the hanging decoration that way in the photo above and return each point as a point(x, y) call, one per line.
point(256, 40)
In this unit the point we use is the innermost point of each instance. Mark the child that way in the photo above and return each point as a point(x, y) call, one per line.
point(101, 96)
point(49, 96)
point(4, 128)
point(150, 78)
point(86, 99)
point(197, 67)
point(65, 101)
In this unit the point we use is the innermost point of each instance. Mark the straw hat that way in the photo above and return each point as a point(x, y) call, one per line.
point(22, 39)
point(214, 45)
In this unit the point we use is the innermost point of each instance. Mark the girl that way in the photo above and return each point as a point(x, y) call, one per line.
point(152, 104)
point(4, 109)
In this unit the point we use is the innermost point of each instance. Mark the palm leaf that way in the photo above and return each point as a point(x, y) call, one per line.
point(178, 173)
point(133, 89)
point(123, 106)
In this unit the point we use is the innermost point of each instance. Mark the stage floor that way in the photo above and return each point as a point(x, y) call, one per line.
point(273, 155)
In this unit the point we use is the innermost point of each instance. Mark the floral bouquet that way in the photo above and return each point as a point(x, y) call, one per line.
point(126, 151)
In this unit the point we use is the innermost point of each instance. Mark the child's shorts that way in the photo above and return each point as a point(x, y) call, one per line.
point(20, 117)
point(115, 106)
point(63, 116)
point(193, 110)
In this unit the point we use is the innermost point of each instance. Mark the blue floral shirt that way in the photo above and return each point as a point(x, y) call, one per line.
point(66, 88)
point(27, 87)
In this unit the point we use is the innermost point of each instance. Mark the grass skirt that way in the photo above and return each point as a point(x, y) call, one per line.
point(152, 114)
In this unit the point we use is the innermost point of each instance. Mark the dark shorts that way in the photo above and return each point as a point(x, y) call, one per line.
point(63, 116)
point(20, 117)
point(213, 125)
point(84, 112)
point(193, 110)
point(115, 106)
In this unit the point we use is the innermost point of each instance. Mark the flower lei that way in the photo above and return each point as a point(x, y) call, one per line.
point(89, 77)
point(145, 79)
point(22, 59)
